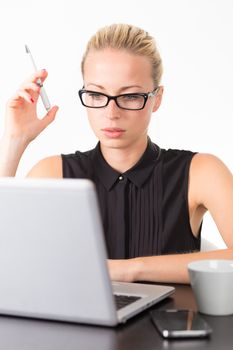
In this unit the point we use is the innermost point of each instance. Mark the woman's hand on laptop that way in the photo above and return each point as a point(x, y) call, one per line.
point(21, 120)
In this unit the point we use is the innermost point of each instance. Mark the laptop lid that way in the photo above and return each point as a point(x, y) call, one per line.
point(53, 254)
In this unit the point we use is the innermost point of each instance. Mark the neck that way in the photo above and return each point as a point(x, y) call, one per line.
point(122, 159)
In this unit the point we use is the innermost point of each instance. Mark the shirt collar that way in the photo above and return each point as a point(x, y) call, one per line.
point(138, 174)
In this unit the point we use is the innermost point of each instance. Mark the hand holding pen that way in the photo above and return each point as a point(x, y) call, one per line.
point(21, 121)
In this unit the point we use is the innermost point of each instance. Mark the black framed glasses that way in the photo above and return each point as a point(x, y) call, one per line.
point(132, 101)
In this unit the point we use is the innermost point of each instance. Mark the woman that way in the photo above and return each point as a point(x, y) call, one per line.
point(152, 200)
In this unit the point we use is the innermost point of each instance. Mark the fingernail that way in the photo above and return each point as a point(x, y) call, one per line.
point(44, 70)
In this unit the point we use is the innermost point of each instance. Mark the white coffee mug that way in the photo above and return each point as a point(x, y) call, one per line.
point(212, 284)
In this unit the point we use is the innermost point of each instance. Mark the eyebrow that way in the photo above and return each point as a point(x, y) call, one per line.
point(121, 89)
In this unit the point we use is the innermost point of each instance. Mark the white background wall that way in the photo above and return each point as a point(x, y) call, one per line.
point(195, 38)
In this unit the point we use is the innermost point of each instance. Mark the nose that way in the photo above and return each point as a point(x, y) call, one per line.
point(112, 110)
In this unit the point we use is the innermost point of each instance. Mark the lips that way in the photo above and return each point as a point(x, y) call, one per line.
point(113, 129)
point(113, 132)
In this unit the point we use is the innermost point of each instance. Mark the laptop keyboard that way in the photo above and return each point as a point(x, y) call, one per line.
point(124, 300)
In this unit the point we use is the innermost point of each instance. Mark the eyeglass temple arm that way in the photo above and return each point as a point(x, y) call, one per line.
point(154, 92)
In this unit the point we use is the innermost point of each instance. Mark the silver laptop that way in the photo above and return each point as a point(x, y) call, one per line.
point(53, 256)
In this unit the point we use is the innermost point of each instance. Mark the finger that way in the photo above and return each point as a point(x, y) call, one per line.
point(26, 96)
point(19, 97)
point(39, 77)
point(39, 74)
point(30, 87)
point(49, 117)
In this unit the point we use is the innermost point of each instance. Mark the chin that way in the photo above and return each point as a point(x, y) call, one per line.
point(113, 143)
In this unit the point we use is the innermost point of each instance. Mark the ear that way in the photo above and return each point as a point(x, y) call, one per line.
point(158, 99)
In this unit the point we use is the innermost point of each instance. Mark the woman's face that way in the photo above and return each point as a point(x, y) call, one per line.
point(116, 72)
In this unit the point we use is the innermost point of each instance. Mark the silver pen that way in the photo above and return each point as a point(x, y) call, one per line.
point(43, 94)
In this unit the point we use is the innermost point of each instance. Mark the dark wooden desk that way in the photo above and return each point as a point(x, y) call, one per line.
point(138, 333)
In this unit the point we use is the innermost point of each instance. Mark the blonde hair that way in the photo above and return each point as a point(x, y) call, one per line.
point(130, 38)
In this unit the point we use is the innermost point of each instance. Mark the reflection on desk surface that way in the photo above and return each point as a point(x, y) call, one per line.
point(30, 334)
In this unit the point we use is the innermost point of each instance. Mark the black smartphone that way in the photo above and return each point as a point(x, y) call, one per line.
point(180, 323)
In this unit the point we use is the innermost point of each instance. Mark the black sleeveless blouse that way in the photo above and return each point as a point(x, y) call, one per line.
point(144, 210)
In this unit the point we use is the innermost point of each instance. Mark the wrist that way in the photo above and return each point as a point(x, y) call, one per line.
point(12, 141)
point(12, 147)
point(11, 150)
point(136, 268)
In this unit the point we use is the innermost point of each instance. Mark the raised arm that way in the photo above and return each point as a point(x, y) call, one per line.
point(210, 188)
point(22, 124)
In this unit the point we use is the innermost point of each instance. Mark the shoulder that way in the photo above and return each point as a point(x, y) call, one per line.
point(78, 156)
point(170, 156)
point(78, 164)
point(64, 165)
point(204, 164)
point(50, 167)
point(175, 162)
point(208, 176)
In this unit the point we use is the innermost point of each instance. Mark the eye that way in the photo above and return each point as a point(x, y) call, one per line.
point(131, 97)
point(95, 95)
